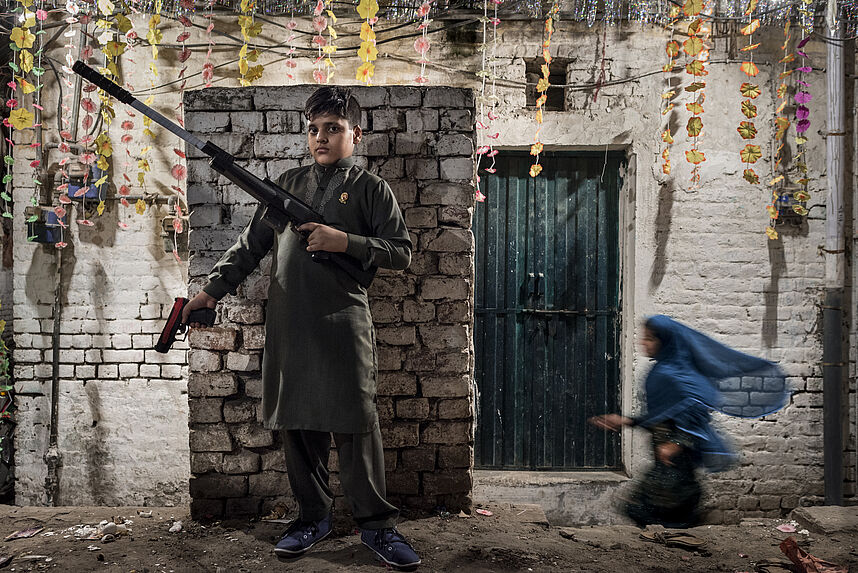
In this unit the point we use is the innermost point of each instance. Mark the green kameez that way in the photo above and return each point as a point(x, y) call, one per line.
point(319, 365)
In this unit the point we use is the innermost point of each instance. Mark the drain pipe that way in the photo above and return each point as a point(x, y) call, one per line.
point(53, 460)
point(835, 267)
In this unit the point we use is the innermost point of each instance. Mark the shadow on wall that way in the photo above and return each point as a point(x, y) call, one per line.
point(98, 460)
point(662, 234)
point(777, 261)
point(40, 275)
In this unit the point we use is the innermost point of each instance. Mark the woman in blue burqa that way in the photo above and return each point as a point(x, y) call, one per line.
point(693, 375)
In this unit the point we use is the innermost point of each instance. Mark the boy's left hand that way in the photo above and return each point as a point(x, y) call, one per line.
point(324, 238)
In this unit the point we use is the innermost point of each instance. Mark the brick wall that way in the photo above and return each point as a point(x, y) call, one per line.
point(421, 142)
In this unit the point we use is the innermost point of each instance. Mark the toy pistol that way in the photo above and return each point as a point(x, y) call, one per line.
point(175, 325)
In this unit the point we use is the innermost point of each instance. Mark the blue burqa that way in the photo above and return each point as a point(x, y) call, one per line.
point(695, 374)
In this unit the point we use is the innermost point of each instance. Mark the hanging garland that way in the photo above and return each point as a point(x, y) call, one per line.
point(20, 118)
point(249, 29)
point(696, 47)
point(484, 123)
point(208, 66)
point(324, 71)
point(802, 125)
point(671, 48)
point(782, 123)
point(290, 62)
point(421, 44)
point(751, 153)
point(368, 52)
point(542, 85)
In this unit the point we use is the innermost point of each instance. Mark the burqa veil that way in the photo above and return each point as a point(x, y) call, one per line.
point(695, 374)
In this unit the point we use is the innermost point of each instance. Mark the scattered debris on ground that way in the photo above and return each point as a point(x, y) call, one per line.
point(502, 537)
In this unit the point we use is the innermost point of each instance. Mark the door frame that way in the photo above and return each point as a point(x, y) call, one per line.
point(627, 227)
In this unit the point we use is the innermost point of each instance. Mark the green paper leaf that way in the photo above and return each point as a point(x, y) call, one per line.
point(37, 182)
point(38, 71)
point(14, 66)
point(33, 238)
point(7, 178)
point(5, 196)
point(32, 218)
point(7, 215)
point(40, 32)
point(33, 201)
point(8, 159)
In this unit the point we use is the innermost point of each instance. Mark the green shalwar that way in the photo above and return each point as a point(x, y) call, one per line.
point(319, 364)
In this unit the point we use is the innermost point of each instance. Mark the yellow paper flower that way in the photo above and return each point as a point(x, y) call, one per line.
point(367, 51)
point(367, 34)
point(365, 72)
point(535, 170)
point(367, 9)
point(21, 118)
point(22, 37)
point(140, 207)
point(26, 61)
point(771, 233)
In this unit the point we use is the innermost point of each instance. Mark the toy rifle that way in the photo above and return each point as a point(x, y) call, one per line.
point(281, 207)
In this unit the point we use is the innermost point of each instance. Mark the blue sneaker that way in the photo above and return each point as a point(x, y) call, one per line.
point(390, 547)
point(301, 536)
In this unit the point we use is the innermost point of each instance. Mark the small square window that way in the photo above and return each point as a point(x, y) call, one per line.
point(556, 77)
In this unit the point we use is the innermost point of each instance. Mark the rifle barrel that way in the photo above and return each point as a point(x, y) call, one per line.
point(125, 97)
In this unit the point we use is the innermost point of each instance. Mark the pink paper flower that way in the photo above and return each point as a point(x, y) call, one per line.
point(804, 69)
point(803, 97)
point(802, 125)
point(423, 11)
point(802, 112)
point(319, 76)
point(421, 79)
point(41, 15)
point(421, 45)
point(178, 172)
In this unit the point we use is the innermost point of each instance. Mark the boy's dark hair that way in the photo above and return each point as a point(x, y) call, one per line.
point(333, 100)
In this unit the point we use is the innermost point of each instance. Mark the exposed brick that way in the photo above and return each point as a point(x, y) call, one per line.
point(444, 387)
point(210, 438)
point(440, 483)
point(214, 486)
point(397, 335)
point(239, 411)
point(252, 435)
point(269, 483)
point(454, 409)
point(446, 433)
point(215, 338)
point(212, 384)
point(205, 410)
point(412, 409)
point(419, 459)
point(244, 462)
point(396, 384)
point(444, 337)
point(400, 435)
point(458, 456)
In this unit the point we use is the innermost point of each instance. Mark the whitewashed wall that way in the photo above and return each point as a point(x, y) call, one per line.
point(698, 255)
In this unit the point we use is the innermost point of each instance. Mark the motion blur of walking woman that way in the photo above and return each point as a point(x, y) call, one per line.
point(692, 376)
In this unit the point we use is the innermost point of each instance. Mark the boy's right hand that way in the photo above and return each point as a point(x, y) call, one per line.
point(202, 300)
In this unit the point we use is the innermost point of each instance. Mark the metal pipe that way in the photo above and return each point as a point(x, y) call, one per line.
point(835, 267)
point(53, 459)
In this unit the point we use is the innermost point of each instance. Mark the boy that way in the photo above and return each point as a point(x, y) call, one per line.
point(319, 365)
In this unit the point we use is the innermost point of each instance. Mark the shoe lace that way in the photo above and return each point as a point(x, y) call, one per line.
point(303, 527)
point(389, 536)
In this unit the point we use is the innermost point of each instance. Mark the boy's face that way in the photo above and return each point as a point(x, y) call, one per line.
point(331, 138)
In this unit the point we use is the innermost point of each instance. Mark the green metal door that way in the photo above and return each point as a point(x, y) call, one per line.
point(547, 316)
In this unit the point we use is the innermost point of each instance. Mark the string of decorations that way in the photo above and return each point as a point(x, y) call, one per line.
point(368, 53)
point(485, 146)
point(542, 85)
point(250, 29)
point(751, 153)
point(782, 123)
point(290, 62)
point(421, 44)
point(671, 48)
point(696, 48)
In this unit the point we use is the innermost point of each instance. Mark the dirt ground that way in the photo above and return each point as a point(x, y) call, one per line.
point(500, 542)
